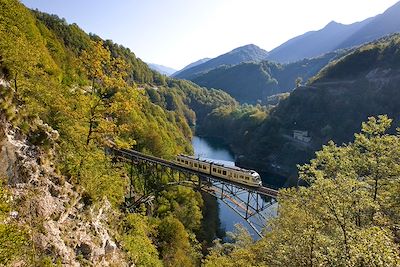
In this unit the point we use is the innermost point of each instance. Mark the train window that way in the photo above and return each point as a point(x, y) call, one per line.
point(241, 176)
point(195, 164)
point(247, 178)
point(224, 172)
point(219, 171)
point(186, 162)
point(214, 170)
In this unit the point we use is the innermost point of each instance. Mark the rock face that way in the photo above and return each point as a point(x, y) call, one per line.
point(62, 225)
point(8, 156)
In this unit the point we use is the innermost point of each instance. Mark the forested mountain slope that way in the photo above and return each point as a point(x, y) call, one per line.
point(331, 107)
point(333, 220)
point(254, 82)
point(378, 26)
point(193, 64)
point(64, 96)
point(314, 43)
point(247, 53)
point(337, 36)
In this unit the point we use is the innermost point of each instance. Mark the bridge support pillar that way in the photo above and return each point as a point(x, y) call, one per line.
point(250, 203)
point(247, 205)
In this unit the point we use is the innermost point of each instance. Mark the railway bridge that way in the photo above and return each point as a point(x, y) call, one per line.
point(254, 204)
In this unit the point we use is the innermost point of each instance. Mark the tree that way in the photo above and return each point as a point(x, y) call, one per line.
point(183, 203)
point(14, 239)
point(233, 253)
point(349, 212)
point(298, 82)
point(107, 76)
point(327, 222)
point(136, 241)
point(174, 243)
point(89, 119)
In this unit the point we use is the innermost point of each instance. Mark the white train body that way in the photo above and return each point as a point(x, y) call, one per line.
point(235, 174)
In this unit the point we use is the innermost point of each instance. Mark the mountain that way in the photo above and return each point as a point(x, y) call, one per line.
point(315, 43)
point(191, 65)
point(65, 97)
point(162, 69)
point(247, 53)
point(381, 25)
point(336, 36)
point(362, 83)
point(252, 82)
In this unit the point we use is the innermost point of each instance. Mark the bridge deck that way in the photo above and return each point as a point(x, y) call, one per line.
point(132, 155)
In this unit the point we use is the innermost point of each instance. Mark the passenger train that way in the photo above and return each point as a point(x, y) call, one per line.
point(235, 174)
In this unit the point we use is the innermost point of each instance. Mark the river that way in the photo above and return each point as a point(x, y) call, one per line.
point(210, 148)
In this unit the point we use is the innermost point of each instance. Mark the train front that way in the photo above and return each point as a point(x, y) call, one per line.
point(256, 178)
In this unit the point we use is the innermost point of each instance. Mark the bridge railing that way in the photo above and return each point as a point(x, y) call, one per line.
point(132, 154)
point(248, 202)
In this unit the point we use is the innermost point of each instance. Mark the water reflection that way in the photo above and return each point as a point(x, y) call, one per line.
point(213, 149)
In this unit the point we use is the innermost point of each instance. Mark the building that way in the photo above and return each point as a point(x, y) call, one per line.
point(301, 136)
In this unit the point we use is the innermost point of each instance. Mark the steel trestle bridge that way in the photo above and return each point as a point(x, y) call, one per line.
point(254, 204)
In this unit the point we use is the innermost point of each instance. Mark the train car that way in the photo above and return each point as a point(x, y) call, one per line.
point(193, 163)
point(236, 174)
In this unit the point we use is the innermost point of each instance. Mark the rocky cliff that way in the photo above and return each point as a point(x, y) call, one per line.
point(61, 225)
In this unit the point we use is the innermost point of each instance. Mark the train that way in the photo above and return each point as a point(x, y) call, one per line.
point(232, 173)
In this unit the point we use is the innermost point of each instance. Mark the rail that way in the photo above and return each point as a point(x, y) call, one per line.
point(135, 155)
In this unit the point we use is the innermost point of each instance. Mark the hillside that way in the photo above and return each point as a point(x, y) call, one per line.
point(247, 53)
point(337, 36)
point(332, 106)
point(193, 64)
point(161, 69)
point(314, 43)
point(65, 95)
point(379, 26)
point(254, 82)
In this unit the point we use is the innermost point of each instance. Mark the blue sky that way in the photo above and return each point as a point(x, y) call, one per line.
point(175, 33)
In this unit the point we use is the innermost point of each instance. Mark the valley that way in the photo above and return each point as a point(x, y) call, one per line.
point(317, 117)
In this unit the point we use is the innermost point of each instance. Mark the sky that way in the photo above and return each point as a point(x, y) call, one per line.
point(175, 33)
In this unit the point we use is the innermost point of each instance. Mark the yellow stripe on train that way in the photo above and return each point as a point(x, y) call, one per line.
point(232, 173)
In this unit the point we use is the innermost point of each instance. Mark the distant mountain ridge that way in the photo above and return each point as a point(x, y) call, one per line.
point(314, 43)
point(336, 36)
point(161, 69)
point(383, 24)
point(362, 82)
point(252, 82)
point(247, 53)
point(191, 65)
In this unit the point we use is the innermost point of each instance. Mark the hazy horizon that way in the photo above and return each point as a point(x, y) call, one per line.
point(179, 32)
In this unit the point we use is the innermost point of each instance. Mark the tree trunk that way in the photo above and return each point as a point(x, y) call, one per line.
point(376, 189)
point(15, 84)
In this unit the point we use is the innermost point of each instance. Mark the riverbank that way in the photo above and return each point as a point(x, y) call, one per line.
point(272, 176)
point(213, 148)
